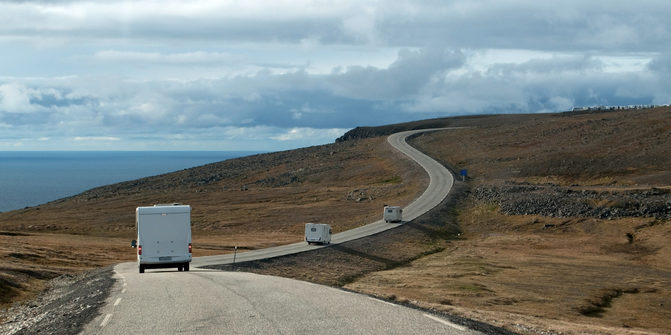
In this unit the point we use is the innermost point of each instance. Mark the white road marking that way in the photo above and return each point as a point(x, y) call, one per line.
point(118, 300)
point(445, 322)
point(105, 320)
point(382, 301)
point(123, 290)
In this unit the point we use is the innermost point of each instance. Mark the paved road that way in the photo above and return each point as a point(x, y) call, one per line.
point(214, 302)
point(440, 183)
point(205, 301)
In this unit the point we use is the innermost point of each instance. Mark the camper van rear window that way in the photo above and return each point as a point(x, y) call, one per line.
point(389, 211)
point(313, 229)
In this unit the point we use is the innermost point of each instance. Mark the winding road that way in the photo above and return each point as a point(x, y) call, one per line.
point(440, 184)
point(204, 301)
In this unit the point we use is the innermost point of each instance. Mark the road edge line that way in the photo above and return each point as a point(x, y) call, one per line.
point(106, 320)
point(445, 322)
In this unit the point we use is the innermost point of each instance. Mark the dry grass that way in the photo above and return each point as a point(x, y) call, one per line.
point(342, 264)
point(531, 274)
point(623, 148)
point(507, 267)
point(30, 259)
point(95, 228)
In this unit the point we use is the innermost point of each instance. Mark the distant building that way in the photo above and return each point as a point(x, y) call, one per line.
point(604, 108)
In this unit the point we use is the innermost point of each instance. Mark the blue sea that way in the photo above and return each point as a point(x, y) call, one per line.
point(30, 178)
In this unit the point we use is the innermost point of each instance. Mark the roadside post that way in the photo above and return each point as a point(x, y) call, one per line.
point(463, 174)
point(235, 253)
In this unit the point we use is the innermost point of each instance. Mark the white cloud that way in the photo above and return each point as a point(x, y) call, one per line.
point(507, 24)
point(308, 133)
point(298, 72)
point(560, 103)
point(195, 57)
point(15, 98)
point(97, 138)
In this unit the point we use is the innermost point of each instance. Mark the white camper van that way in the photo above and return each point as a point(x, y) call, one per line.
point(318, 233)
point(393, 214)
point(163, 237)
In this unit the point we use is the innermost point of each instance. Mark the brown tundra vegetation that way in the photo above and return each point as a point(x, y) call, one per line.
point(562, 226)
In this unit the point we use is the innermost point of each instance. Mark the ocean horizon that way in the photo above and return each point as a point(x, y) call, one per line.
point(31, 178)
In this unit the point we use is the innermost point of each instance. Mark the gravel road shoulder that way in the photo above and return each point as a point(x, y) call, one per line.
point(68, 303)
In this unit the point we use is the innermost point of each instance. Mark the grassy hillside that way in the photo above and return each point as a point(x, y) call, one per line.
point(566, 228)
point(250, 202)
point(561, 228)
point(618, 147)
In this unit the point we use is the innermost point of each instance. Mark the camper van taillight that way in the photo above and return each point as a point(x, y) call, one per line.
point(189, 247)
point(139, 250)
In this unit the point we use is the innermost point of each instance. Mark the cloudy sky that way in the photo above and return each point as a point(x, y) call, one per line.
point(272, 75)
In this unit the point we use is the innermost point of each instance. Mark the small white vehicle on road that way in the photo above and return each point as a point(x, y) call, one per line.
point(393, 214)
point(318, 233)
point(163, 237)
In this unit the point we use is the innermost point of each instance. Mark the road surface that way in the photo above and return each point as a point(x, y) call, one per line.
point(440, 184)
point(204, 301)
point(213, 302)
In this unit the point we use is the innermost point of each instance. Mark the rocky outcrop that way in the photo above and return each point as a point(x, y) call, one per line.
point(557, 201)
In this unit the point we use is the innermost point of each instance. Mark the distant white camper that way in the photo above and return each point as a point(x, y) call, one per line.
point(163, 237)
point(393, 214)
point(318, 233)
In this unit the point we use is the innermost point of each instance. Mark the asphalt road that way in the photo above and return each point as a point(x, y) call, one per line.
point(214, 302)
point(205, 301)
point(440, 183)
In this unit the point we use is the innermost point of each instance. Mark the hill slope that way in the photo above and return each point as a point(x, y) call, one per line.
point(562, 227)
point(250, 202)
point(565, 229)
